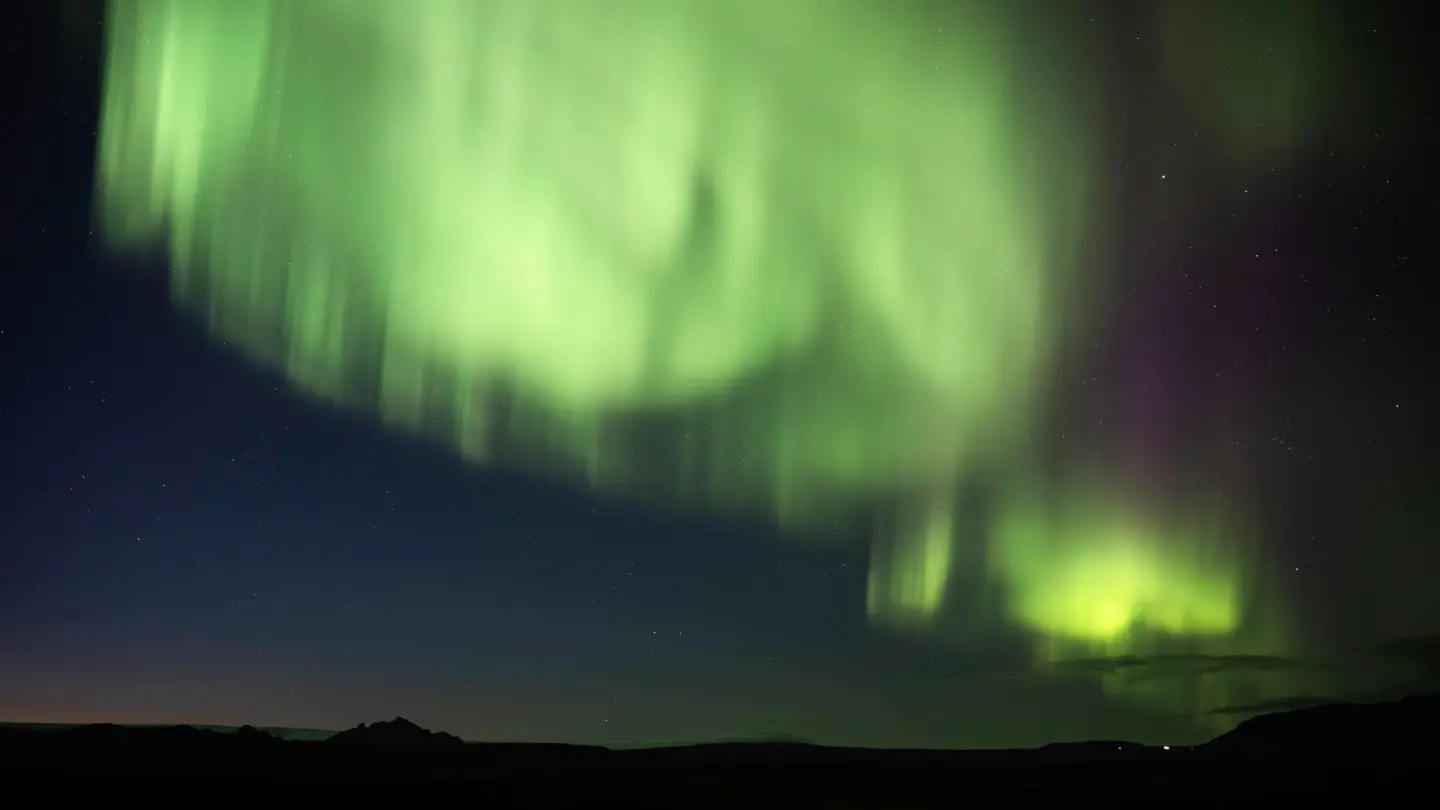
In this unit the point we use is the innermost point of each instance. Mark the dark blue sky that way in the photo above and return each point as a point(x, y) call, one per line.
point(184, 538)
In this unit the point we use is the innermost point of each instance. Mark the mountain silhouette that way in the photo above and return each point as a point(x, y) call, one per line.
point(397, 734)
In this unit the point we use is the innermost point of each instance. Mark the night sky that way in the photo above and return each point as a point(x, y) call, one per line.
point(187, 536)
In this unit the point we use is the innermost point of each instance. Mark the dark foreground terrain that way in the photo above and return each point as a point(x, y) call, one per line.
point(1309, 753)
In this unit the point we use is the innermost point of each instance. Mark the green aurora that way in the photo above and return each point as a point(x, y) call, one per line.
point(638, 244)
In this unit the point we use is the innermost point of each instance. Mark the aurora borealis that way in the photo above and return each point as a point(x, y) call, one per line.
point(715, 227)
point(595, 213)
point(880, 260)
point(848, 270)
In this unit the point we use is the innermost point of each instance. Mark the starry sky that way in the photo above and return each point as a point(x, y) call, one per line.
point(187, 534)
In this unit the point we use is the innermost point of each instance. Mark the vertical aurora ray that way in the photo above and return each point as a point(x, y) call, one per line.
point(640, 244)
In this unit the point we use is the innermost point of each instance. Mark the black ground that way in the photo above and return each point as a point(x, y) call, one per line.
point(1362, 752)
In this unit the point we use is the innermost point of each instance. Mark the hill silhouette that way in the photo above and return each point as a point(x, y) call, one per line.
point(1375, 733)
point(1394, 735)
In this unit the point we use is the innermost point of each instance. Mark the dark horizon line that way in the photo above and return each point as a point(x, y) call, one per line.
point(776, 740)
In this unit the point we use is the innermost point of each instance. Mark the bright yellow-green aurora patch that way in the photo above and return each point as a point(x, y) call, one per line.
point(1088, 569)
